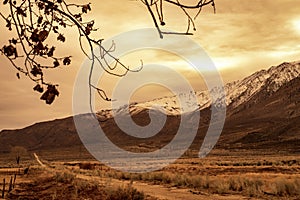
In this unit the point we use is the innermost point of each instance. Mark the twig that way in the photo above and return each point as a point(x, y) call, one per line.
point(154, 19)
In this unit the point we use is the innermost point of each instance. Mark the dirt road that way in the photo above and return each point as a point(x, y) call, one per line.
point(38, 160)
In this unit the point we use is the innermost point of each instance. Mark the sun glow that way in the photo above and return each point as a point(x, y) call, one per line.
point(296, 25)
point(224, 63)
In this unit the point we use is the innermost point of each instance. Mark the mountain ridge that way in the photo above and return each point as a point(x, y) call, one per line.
point(264, 114)
point(237, 92)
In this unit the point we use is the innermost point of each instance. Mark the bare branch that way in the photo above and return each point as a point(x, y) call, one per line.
point(200, 4)
point(154, 19)
point(184, 7)
point(35, 21)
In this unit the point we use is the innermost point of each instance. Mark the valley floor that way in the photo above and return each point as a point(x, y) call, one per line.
point(215, 177)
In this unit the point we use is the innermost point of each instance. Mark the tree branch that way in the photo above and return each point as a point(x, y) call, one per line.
point(199, 4)
point(154, 19)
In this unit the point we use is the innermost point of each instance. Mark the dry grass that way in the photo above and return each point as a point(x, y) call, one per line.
point(268, 178)
point(124, 192)
point(286, 187)
point(64, 185)
point(263, 177)
point(107, 192)
point(247, 185)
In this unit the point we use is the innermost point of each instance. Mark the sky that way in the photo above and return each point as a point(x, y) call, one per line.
point(241, 38)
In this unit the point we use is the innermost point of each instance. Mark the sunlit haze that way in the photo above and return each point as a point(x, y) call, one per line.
point(241, 38)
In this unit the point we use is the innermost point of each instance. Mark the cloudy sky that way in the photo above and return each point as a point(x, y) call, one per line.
point(241, 38)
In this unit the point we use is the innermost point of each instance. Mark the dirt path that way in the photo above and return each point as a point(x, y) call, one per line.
point(162, 192)
point(158, 191)
point(165, 193)
point(38, 160)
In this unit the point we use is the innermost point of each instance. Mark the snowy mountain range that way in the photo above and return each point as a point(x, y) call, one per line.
point(236, 93)
point(263, 114)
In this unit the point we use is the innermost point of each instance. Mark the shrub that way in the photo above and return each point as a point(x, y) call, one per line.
point(285, 187)
point(87, 166)
point(125, 192)
point(64, 177)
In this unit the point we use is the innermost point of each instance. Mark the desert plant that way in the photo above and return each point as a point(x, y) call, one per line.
point(87, 166)
point(285, 187)
point(18, 152)
point(125, 192)
point(64, 177)
point(234, 184)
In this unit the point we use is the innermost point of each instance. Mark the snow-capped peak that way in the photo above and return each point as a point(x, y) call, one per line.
point(236, 92)
point(273, 79)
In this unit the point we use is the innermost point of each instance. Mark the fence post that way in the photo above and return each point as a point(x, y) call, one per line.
point(10, 184)
point(3, 190)
point(15, 177)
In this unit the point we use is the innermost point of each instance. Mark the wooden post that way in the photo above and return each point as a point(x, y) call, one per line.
point(18, 159)
point(15, 177)
point(3, 190)
point(10, 187)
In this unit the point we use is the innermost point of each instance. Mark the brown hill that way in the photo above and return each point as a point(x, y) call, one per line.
point(266, 121)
